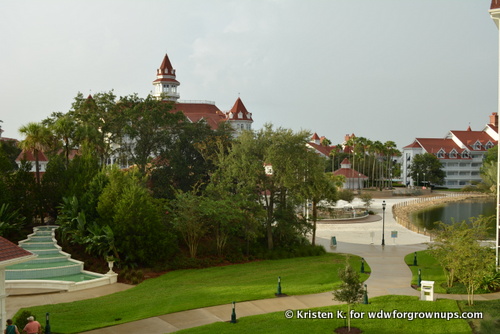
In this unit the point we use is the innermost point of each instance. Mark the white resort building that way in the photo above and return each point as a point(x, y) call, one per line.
point(460, 152)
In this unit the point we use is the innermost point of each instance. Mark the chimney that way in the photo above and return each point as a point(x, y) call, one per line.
point(494, 119)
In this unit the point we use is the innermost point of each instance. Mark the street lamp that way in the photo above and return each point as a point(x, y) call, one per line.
point(424, 180)
point(383, 222)
point(233, 314)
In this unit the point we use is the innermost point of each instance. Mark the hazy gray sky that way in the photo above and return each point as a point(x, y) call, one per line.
point(385, 70)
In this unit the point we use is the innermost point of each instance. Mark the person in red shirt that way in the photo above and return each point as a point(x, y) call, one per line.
point(32, 327)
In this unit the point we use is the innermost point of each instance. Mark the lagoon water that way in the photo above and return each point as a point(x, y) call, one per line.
point(455, 212)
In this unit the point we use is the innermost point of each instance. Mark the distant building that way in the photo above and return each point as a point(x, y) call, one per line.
point(166, 88)
point(353, 178)
point(317, 145)
point(460, 152)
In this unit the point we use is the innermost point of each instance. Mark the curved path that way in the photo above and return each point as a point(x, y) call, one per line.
point(389, 276)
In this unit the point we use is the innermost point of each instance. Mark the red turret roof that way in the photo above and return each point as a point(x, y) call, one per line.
point(166, 72)
point(495, 4)
point(166, 66)
point(239, 112)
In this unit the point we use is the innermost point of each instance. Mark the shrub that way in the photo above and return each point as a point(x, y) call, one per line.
point(21, 320)
point(491, 282)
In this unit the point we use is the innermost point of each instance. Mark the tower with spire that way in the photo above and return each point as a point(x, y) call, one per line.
point(165, 88)
point(239, 118)
point(165, 85)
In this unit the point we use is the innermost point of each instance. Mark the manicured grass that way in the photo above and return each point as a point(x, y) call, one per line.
point(430, 268)
point(432, 271)
point(491, 311)
point(276, 322)
point(188, 289)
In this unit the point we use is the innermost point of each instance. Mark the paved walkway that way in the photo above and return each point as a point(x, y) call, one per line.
point(389, 276)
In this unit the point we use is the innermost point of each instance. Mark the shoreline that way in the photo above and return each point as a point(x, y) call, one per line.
point(403, 211)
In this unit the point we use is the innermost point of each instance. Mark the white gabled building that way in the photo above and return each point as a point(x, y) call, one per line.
point(460, 152)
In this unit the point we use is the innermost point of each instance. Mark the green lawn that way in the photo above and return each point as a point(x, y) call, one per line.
point(432, 271)
point(188, 289)
point(430, 268)
point(277, 323)
point(491, 311)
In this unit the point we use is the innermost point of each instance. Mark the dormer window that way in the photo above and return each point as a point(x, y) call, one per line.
point(477, 145)
point(488, 145)
point(440, 154)
point(240, 115)
point(465, 154)
point(453, 154)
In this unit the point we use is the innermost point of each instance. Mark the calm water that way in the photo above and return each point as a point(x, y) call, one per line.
point(456, 211)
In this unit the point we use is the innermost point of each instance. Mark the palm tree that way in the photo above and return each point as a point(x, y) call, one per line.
point(65, 129)
point(391, 151)
point(377, 148)
point(37, 140)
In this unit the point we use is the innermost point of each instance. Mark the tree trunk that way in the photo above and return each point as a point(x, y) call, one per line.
point(315, 217)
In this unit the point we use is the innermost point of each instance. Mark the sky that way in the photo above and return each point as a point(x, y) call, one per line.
point(381, 69)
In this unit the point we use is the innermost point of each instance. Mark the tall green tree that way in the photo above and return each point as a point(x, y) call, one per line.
point(103, 116)
point(38, 139)
point(65, 129)
point(149, 128)
point(275, 162)
point(430, 165)
point(318, 187)
point(188, 220)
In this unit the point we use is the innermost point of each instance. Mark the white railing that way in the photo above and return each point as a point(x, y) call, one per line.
point(196, 101)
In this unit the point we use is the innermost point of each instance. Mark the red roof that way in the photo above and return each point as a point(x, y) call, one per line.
point(239, 112)
point(349, 173)
point(315, 137)
point(469, 138)
point(9, 139)
point(29, 156)
point(415, 144)
point(10, 251)
point(325, 150)
point(434, 145)
point(196, 111)
point(166, 66)
point(167, 80)
point(495, 4)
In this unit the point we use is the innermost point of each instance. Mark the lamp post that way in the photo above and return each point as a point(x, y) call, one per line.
point(383, 222)
point(233, 314)
point(47, 324)
point(278, 292)
point(362, 265)
point(424, 179)
point(365, 295)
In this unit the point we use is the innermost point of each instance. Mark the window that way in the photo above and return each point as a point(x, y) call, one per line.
point(440, 154)
point(453, 154)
